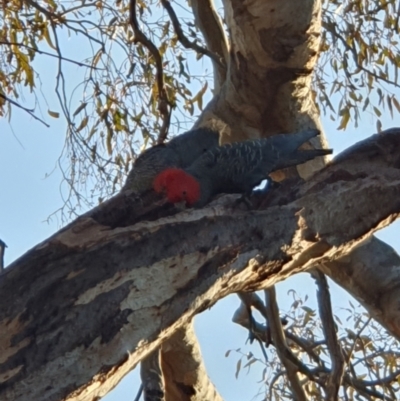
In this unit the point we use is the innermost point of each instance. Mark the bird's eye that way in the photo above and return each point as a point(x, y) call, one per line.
point(184, 192)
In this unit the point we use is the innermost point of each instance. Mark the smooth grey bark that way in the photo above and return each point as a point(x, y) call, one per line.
point(209, 22)
point(371, 274)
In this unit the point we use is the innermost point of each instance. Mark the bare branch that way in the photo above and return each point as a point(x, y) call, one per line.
point(279, 340)
point(262, 332)
point(253, 300)
point(329, 329)
point(185, 41)
point(29, 111)
point(243, 316)
point(210, 25)
point(331, 28)
point(377, 289)
point(51, 16)
point(164, 106)
point(78, 63)
point(3, 247)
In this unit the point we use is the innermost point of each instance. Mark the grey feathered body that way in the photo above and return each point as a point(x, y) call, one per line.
point(179, 152)
point(239, 167)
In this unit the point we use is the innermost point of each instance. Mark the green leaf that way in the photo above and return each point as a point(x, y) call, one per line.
point(79, 109)
point(238, 365)
point(109, 141)
point(345, 119)
point(83, 124)
point(97, 58)
point(389, 102)
point(248, 364)
point(54, 114)
point(199, 96)
point(46, 35)
point(377, 111)
point(379, 125)
point(396, 103)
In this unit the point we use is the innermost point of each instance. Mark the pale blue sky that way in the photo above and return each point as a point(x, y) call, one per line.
point(30, 192)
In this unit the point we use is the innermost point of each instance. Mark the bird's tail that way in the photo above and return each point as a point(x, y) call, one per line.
point(285, 144)
point(302, 156)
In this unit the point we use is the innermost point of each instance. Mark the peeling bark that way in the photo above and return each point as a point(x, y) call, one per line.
point(184, 372)
point(81, 309)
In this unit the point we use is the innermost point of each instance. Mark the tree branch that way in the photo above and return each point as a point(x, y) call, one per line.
point(164, 105)
point(331, 28)
point(78, 63)
point(210, 25)
point(279, 341)
point(51, 16)
point(29, 111)
point(370, 273)
point(3, 247)
point(185, 41)
point(103, 298)
point(329, 329)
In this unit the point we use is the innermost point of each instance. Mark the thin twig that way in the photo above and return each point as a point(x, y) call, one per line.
point(50, 54)
point(305, 346)
point(262, 333)
point(51, 16)
point(330, 28)
point(184, 40)
point(3, 247)
point(274, 379)
point(357, 337)
point(164, 106)
point(29, 111)
point(139, 393)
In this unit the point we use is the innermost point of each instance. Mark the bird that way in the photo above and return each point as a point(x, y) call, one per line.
point(234, 168)
point(179, 152)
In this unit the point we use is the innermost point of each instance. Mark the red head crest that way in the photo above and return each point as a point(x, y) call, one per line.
point(178, 186)
point(163, 179)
